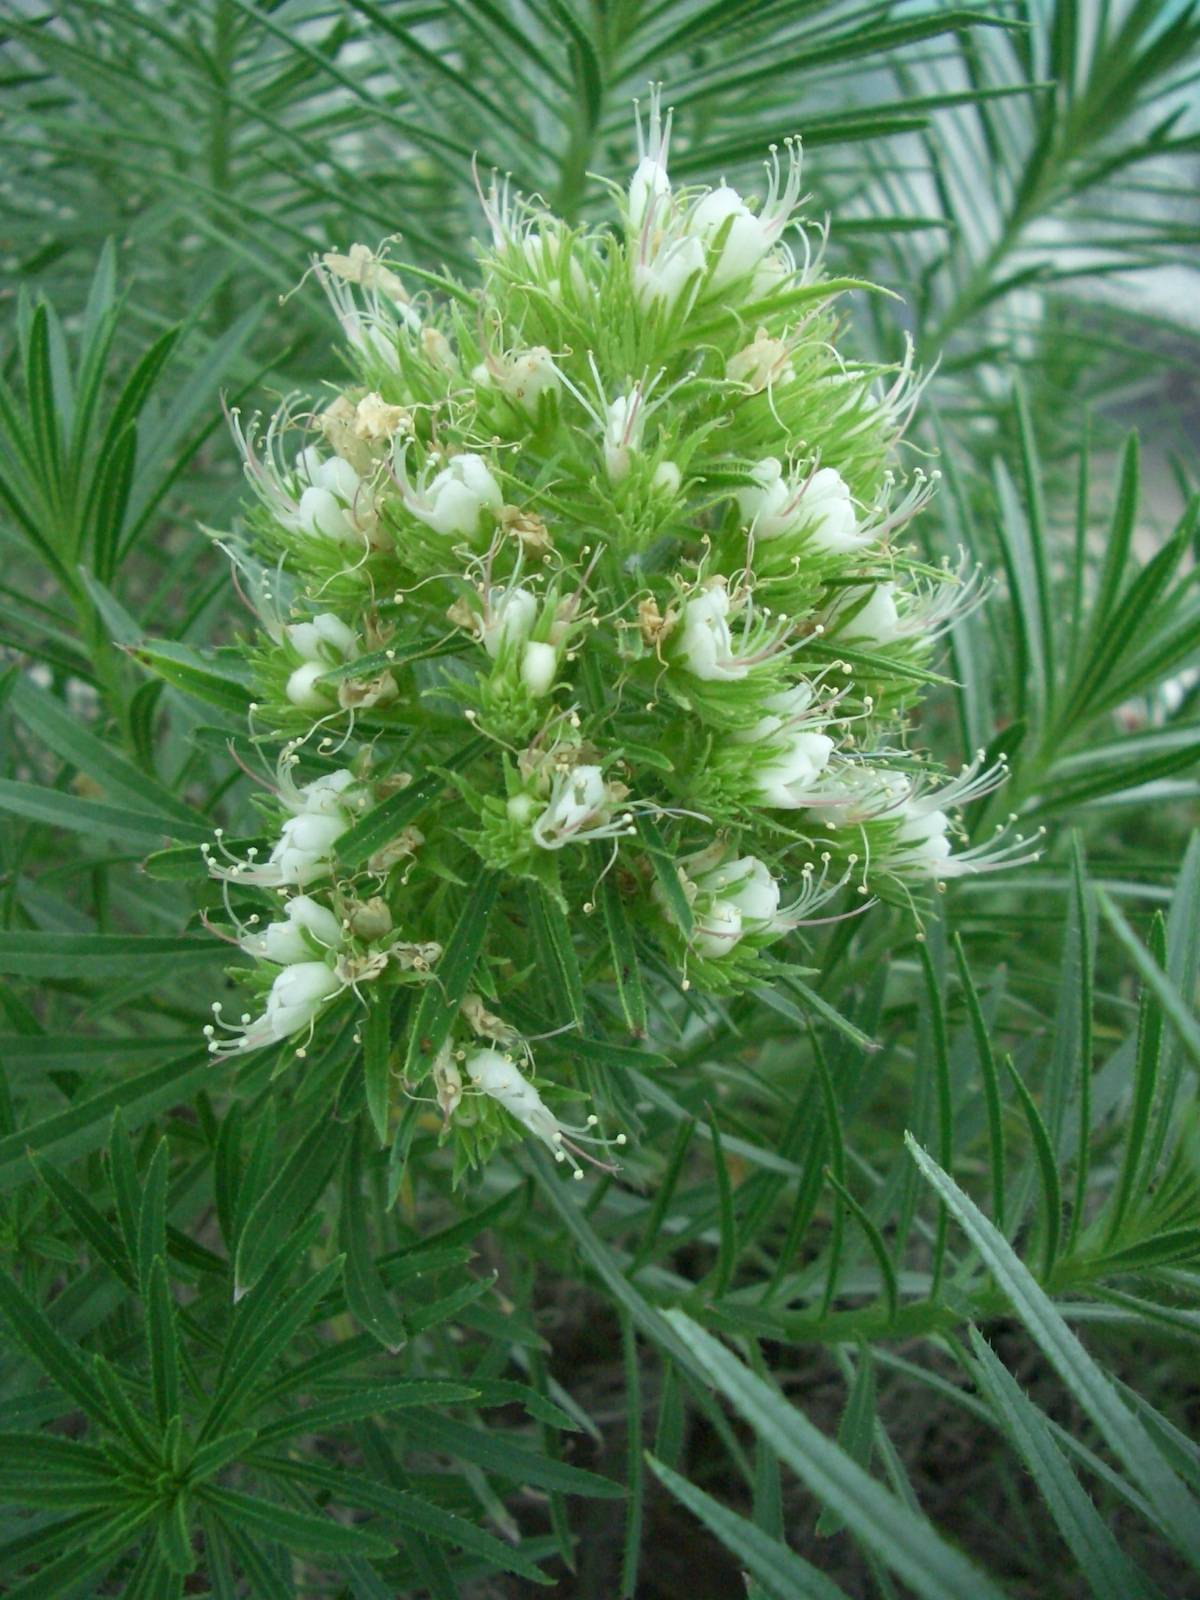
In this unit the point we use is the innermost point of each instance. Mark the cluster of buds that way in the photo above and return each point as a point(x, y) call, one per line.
point(609, 551)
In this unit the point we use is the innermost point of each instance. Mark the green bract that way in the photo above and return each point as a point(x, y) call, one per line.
point(590, 588)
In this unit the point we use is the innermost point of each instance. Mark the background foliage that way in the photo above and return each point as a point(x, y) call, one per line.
point(248, 1353)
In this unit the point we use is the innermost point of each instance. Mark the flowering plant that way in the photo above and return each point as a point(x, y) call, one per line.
point(612, 551)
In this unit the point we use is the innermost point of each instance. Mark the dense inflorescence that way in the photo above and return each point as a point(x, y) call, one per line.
point(591, 583)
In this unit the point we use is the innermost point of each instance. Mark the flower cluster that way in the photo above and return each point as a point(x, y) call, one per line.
point(593, 579)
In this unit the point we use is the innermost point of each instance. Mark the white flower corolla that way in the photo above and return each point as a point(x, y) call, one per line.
point(321, 812)
point(624, 425)
point(731, 898)
point(297, 995)
point(818, 508)
point(922, 839)
point(580, 807)
point(304, 851)
point(334, 502)
point(539, 667)
point(706, 644)
point(508, 618)
point(746, 236)
point(650, 184)
point(285, 944)
point(495, 1074)
point(525, 378)
point(876, 622)
point(326, 796)
point(454, 502)
point(787, 779)
point(323, 643)
point(717, 929)
point(326, 638)
point(746, 882)
point(661, 278)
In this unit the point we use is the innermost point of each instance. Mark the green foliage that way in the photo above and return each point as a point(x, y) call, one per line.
point(248, 1350)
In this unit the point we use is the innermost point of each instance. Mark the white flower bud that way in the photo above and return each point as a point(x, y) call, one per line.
point(529, 376)
point(539, 666)
point(667, 479)
point(746, 242)
point(305, 690)
point(623, 428)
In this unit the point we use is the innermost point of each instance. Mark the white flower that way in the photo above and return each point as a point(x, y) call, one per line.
point(921, 837)
point(497, 1075)
point(650, 183)
point(667, 479)
point(749, 885)
point(718, 929)
point(828, 515)
point(325, 796)
point(306, 691)
point(334, 503)
point(508, 618)
point(819, 508)
point(877, 621)
point(323, 643)
point(748, 237)
point(661, 278)
point(454, 503)
point(285, 944)
point(296, 996)
point(304, 851)
point(580, 807)
point(705, 640)
point(539, 668)
point(326, 638)
point(321, 812)
point(786, 780)
point(623, 428)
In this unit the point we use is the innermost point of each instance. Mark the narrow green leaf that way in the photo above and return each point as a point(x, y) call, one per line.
point(782, 1573)
point(1109, 1575)
point(295, 1530)
point(367, 1297)
point(625, 962)
point(880, 1522)
point(1178, 1513)
point(440, 1000)
point(292, 1194)
point(1047, 1171)
point(163, 1341)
